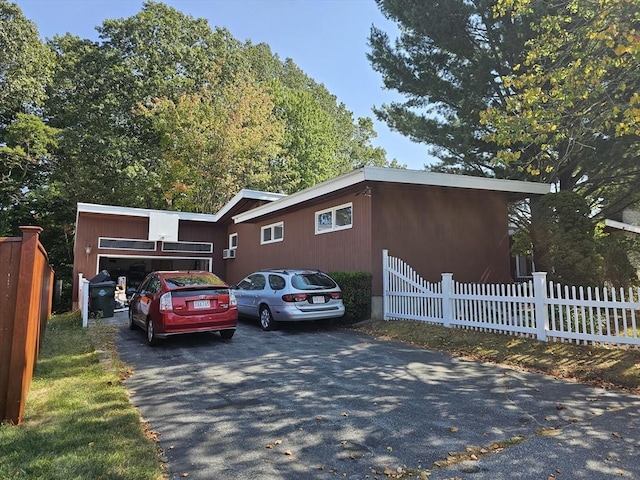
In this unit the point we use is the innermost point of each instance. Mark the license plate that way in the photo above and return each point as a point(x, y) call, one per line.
point(318, 299)
point(202, 304)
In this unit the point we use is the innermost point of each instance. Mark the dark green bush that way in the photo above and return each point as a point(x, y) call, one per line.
point(356, 294)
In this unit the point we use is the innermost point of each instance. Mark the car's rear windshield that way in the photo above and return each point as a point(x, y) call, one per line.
point(312, 281)
point(189, 280)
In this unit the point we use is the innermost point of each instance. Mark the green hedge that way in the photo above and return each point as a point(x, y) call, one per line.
point(356, 294)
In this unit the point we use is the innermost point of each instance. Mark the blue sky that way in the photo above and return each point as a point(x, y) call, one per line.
point(327, 39)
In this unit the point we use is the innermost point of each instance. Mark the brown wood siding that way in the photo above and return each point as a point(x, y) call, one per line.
point(192, 231)
point(344, 250)
point(437, 230)
point(91, 226)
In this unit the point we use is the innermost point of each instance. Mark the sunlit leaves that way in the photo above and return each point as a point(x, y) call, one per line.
point(578, 85)
point(25, 64)
point(215, 142)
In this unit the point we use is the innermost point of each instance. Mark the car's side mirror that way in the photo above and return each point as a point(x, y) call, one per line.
point(233, 287)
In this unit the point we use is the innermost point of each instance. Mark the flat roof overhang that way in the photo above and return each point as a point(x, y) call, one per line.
point(514, 189)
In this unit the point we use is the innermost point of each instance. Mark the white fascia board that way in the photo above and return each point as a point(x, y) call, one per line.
point(251, 195)
point(141, 212)
point(310, 193)
point(395, 175)
point(622, 226)
point(421, 177)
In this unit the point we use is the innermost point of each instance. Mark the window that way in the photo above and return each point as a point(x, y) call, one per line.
point(193, 247)
point(151, 286)
point(233, 241)
point(336, 218)
point(126, 244)
point(276, 282)
point(272, 233)
point(253, 282)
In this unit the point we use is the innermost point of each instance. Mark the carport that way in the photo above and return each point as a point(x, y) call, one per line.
point(131, 242)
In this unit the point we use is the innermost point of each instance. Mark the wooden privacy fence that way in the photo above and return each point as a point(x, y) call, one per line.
point(25, 307)
point(549, 312)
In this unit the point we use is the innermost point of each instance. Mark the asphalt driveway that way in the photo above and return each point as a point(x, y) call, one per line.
point(320, 402)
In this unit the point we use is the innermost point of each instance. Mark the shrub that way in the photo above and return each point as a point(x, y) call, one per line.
point(356, 294)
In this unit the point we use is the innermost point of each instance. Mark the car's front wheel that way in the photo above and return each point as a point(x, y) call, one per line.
point(151, 334)
point(266, 319)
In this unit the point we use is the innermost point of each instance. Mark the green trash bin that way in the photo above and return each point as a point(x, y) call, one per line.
point(102, 297)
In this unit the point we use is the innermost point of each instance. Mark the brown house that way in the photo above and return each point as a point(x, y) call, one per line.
point(435, 222)
point(131, 242)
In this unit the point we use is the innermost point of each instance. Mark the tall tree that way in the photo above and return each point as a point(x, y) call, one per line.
point(25, 64)
point(25, 141)
point(107, 152)
point(215, 142)
point(112, 155)
point(573, 116)
point(449, 62)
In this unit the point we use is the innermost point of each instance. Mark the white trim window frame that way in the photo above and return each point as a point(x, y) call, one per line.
point(174, 247)
point(112, 243)
point(272, 233)
point(334, 219)
point(233, 241)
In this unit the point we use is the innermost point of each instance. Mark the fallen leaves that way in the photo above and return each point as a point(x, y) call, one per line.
point(474, 452)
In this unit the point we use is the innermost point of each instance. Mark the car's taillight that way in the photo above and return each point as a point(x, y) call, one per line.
point(166, 303)
point(336, 295)
point(295, 297)
point(232, 299)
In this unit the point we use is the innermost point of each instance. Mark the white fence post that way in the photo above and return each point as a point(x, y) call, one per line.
point(84, 300)
point(540, 303)
point(447, 301)
point(385, 283)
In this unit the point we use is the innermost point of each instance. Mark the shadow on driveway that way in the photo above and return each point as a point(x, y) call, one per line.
point(315, 401)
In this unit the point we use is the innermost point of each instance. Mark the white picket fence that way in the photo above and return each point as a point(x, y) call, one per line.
point(546, 311)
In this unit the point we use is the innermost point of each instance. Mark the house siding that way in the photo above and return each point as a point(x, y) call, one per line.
point(91, 226)
point(438, 230)
point(343, 250)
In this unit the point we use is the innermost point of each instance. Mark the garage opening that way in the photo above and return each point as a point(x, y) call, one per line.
point(134, 269)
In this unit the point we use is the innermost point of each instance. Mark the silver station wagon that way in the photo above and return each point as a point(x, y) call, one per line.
point(288, 295)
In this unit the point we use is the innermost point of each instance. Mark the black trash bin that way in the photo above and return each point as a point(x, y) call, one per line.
point(103, 276)
point(102, 296)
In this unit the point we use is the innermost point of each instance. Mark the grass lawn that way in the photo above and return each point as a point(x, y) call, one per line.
point(78, 421)
point(597, 366)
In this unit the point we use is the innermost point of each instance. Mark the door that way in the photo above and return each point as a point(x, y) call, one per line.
point(248, 294)
point(140, 305)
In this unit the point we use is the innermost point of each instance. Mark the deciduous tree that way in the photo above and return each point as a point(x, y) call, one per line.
point(26, 142)
point(215, 142)
point(573, 114)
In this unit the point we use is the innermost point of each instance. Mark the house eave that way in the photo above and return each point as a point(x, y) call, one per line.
point(247, 194)
point(243, 194)
point(141, 212)
point(401, 176)
point(626, 227)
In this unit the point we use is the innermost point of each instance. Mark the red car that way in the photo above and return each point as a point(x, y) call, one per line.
point(172, 303)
